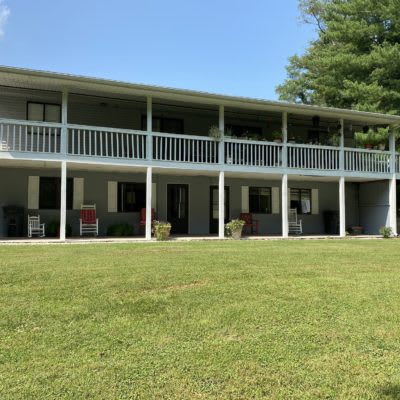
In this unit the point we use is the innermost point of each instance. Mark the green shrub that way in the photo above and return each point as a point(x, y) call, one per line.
point(120, 230)
point(386, 231)
point(52, 229)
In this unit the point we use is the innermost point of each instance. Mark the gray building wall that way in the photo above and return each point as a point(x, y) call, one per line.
point(374, 206)
point(373, 210)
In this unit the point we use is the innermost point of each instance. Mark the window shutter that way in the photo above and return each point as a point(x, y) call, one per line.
point(78, 193)
point(245, 199)
point(33, 193)
point(314, 201)
point(112, 196)
point(154, 196)
point(275, 200)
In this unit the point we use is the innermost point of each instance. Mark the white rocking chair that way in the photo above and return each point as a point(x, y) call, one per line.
point(35, 227)
point(295, 225)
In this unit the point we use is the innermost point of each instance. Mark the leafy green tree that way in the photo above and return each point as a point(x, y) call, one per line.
point(354, 61)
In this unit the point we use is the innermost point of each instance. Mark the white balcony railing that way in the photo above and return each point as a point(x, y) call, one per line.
point(371, 161)
point(27, 136)
point(313, 157)
point(252, 153)
point(180, 148)
point(106, 142)
point(90, 141)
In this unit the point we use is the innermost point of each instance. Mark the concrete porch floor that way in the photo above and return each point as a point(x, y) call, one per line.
point(174, 238)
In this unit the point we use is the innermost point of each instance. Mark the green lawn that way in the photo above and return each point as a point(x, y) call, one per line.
point(201, 320)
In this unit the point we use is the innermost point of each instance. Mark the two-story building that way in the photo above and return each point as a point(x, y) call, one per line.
point(70, 140)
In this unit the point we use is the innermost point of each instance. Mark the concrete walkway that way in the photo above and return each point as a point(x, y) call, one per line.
point(183, 238)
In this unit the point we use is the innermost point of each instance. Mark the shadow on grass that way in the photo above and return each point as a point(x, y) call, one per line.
point(390, 391)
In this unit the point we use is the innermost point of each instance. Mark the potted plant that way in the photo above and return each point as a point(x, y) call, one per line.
point(372, 138)
point(386, 232)
point(215, 133)
point(161, 230)
point(234, 228)
point(277, 136)
point(334, 140)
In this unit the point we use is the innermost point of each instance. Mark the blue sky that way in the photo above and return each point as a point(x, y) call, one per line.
point(224, 46)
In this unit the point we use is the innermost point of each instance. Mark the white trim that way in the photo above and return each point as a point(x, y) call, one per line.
point(33, 192)
point(275, 200)
point(78, 194)
point(112, 196)
point(245, 199)
point(314, 201)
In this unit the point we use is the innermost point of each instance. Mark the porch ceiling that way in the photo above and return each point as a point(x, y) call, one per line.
point(19, 77)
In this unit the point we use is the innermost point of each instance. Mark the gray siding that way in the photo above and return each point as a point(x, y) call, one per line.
point(373, 207)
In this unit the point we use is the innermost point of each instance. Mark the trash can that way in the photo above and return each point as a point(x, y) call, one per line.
point(14, 221)
point(331, 222)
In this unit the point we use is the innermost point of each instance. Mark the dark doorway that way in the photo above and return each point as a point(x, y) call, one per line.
point(214, 208)
point(178, 208)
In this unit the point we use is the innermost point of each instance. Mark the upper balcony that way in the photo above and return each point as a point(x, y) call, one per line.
point(106, 129)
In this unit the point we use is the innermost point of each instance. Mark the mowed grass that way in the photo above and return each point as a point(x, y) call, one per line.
point(201, 320)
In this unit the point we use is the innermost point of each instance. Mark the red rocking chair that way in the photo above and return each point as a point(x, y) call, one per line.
point(142, 220)
point(250, 224)
point(88, 223)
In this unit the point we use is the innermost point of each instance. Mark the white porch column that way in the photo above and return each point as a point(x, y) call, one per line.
point(64, 122)
point(149, 179)
point(149, 141)
point(285, 223)
point(342, 207)
point(393, 204)
point(341, 144)
point(221, 205)
point(393, 185)
point(63, 203)
point(221, 126)
point(284, 139)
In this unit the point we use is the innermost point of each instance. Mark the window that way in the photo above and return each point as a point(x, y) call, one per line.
point(50, 193)
point(131, 196)
point(166, 125)
point(43, 112)
point(300, 199)
point(260, 200)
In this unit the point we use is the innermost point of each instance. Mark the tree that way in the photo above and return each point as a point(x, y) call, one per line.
point(355, 60)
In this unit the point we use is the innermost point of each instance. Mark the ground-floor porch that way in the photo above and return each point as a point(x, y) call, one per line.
point(190, 200)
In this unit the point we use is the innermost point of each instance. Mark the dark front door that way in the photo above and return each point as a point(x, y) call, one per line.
point(214, 209)
point(178, 207)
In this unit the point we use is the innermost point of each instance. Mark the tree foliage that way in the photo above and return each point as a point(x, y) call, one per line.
point(354, 61)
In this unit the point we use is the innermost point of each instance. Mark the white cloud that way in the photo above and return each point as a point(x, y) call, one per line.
point(4, 13)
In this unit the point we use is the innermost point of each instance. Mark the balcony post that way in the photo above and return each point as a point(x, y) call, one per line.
point(284, 139)
point(221, 126)
point(393, 185)
point(149, 179)
point(342, 207)
point(63, 202)
point(64, 122)
point(341, 144)
point(285, 222)
point(149, 139)
point(221, 205)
